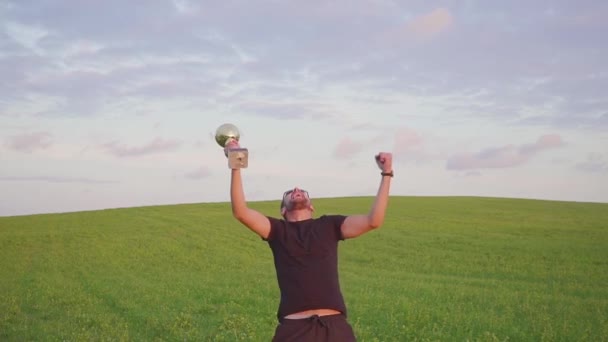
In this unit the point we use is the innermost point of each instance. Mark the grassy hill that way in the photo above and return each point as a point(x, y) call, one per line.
point(441, 268)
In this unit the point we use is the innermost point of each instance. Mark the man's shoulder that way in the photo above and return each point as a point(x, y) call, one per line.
point(275, 219)
point(321, 219)
point(331, 219)
point(331, 216)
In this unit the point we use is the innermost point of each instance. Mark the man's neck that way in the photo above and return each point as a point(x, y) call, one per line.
point(298, 215)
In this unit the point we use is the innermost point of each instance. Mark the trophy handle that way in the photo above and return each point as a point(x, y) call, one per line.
point(238, 158)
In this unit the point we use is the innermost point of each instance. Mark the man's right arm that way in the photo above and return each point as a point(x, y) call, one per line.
point(253, 219)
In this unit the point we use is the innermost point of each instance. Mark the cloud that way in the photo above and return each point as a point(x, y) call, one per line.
point(543, 143)
point(185, 7)
point(29, 142)
point(503, 157)
point(593, 18)
point(200, 173)
point(595, 163)
point(500, 157)
point(53, 179)
point(431, 24)
point(421, 28)
point(409, 145)
point(287, 111)
point(347, 148)
point(193, 52)
point(407, 139)
point(158, 145)
point(365, 126)
point(81, 66)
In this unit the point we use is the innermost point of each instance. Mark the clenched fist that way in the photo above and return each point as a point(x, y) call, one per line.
point(385, 161)
point(231, 145)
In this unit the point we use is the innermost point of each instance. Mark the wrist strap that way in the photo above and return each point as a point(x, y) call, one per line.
point(390, 174)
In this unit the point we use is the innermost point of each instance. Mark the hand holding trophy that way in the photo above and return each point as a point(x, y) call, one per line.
point(227, 136)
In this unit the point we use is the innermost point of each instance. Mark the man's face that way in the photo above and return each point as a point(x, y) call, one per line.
point(295, 199)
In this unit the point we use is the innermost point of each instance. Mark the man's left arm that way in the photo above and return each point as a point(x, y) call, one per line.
point(355, 225)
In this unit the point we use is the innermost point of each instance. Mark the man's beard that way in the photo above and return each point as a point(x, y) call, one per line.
point(298, 204)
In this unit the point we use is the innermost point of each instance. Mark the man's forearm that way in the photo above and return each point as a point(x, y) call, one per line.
point(378, 210)
point(237, 195)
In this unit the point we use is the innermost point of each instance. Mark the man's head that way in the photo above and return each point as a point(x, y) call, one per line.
point(296, 200)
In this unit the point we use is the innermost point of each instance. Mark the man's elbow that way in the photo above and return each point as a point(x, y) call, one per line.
point(375, 224)
point(375, 221)
point(239, 213)
point(241, 218)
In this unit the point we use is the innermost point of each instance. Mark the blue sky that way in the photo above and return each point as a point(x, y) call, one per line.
point(108, 104)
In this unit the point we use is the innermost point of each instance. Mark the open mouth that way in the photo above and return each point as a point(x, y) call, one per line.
point(298, 195)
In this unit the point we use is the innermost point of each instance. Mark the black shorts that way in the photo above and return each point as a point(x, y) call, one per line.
point(332, 328)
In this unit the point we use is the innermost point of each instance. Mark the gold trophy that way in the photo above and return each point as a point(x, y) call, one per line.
point(237, 157)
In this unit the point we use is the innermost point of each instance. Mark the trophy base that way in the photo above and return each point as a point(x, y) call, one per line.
point(238, 158)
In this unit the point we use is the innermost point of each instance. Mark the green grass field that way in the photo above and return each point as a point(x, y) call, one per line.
point(440, 269)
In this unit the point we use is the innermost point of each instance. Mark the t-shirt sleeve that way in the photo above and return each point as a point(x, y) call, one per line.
point(336, 225)
point(275, 229)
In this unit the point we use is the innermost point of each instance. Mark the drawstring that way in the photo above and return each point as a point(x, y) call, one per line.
point(317, 319)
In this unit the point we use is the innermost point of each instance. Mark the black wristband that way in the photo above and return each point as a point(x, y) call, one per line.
point(390, 174)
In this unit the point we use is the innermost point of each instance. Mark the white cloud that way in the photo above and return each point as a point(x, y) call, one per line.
point(56, 179)
point(157, 145)
point(431, 24)
point(595, 163)
point(200, 173)
point(29, 142)
point(347, 148)
point(504, 156)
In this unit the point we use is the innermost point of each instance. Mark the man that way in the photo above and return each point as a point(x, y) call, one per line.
point(305, 256)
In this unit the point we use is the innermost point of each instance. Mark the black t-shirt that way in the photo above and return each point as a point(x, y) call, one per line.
point(306, 261)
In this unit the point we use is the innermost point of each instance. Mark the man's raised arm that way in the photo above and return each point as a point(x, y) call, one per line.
point(356, 225)
point(253, 219)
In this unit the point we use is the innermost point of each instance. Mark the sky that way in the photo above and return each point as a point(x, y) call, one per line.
point(108, 104)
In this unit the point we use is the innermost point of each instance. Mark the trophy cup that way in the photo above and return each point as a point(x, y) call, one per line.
point(237, 157)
